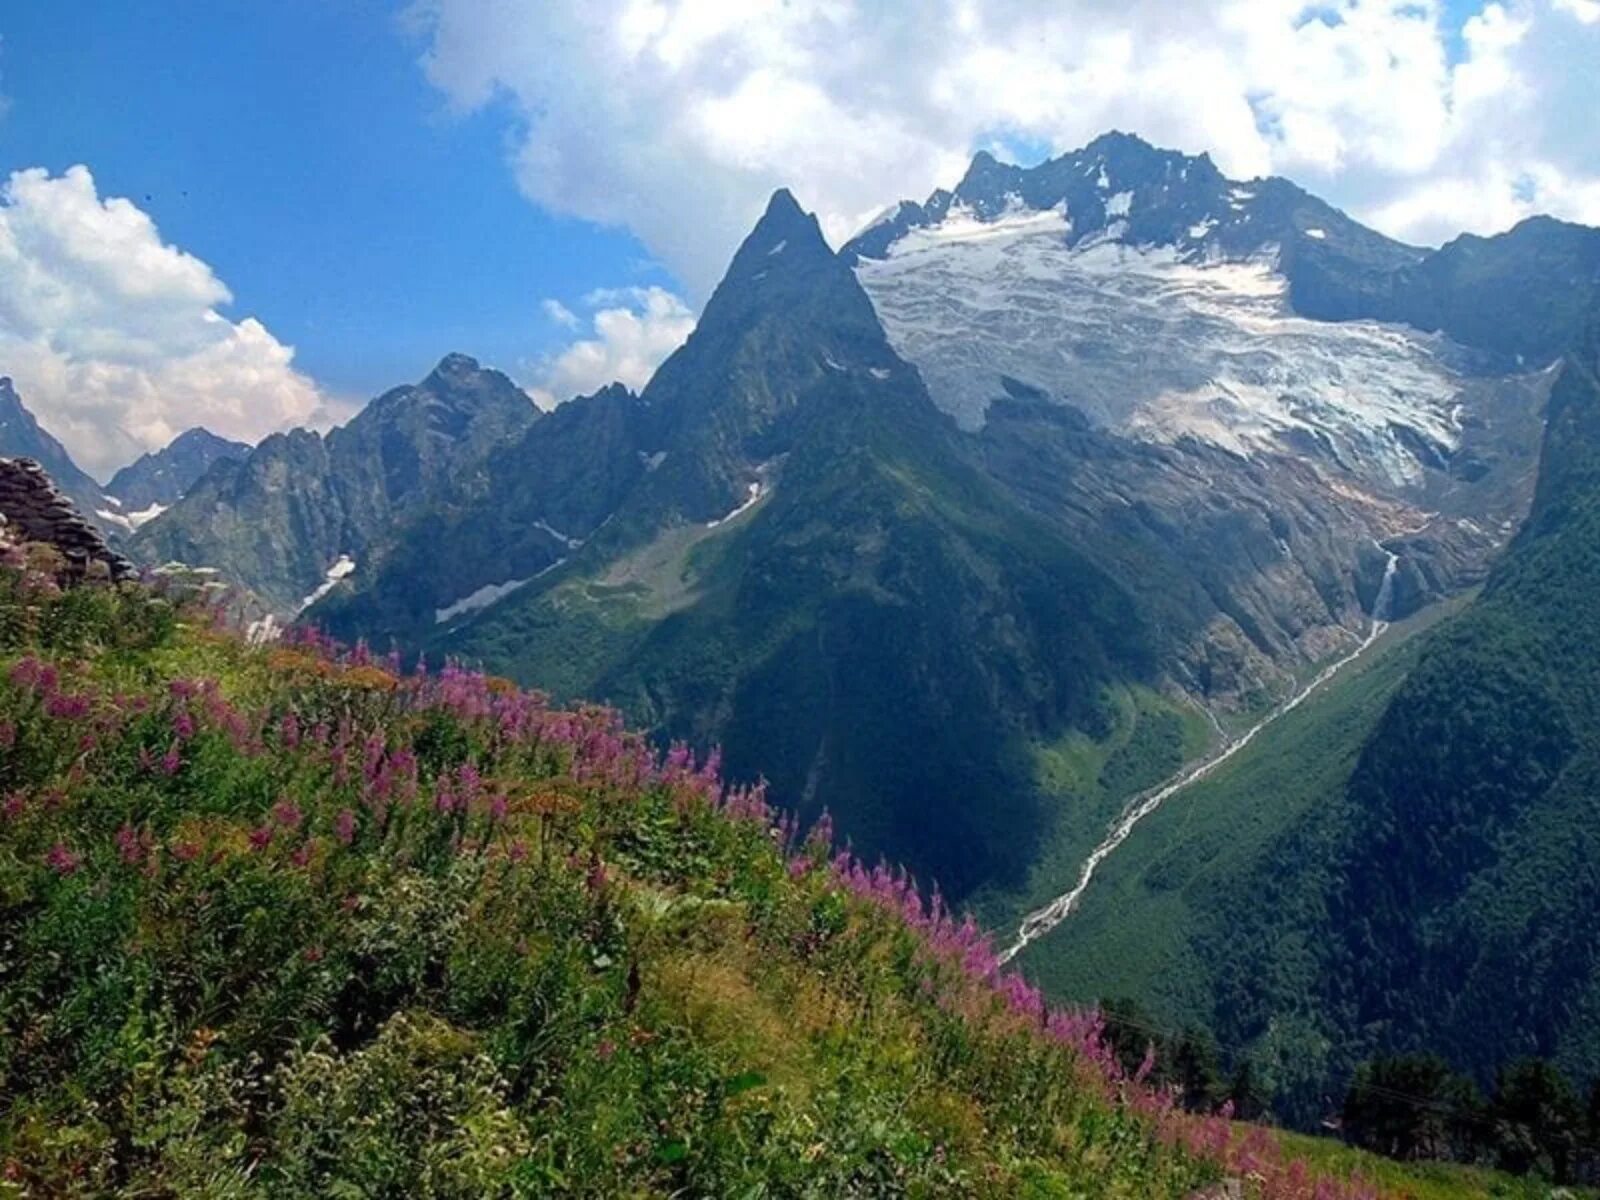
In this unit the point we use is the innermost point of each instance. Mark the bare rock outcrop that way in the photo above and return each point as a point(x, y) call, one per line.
point(33, 509)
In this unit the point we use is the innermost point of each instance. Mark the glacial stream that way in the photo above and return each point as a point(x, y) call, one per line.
point(1042, 920)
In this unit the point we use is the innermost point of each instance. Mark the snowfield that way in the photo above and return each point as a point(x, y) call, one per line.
point(1157, 342)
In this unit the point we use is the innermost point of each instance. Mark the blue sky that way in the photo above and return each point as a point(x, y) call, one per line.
point(296, 147)
point(554, 186)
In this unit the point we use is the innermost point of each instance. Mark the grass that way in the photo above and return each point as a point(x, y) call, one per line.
point(1090, 779)
point(1421, 1181)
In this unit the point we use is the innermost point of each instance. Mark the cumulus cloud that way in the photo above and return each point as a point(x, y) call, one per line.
point(676, 118)
point(634, 329)
point(113, 336)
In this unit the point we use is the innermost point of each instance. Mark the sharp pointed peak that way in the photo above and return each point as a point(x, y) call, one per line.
point(783, 204)
point(784, 228)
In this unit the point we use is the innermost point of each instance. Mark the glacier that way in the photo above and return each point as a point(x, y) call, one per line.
point(1159, 342)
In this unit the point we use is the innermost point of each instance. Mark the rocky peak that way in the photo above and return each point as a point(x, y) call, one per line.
point(454, 367)
point(785, 239)
point(157, 480)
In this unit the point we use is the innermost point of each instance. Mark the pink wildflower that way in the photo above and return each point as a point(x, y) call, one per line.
point(128, 848)
point(67, 706)
point(61, 860)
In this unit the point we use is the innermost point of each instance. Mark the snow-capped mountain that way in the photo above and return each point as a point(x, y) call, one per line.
point(1164, 301)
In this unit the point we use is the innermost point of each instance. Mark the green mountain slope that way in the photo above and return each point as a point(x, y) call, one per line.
point(282, 922)
point(1479, 789)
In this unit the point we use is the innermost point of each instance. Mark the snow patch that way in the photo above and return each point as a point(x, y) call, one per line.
point(1319, 234)
point(130, 521)
point(341, 569)
point(1119, 205)
point(882, 218)
point(757, 490)
point(489, 593)
point(652, 461)
point(778, 249)
point(571, 543)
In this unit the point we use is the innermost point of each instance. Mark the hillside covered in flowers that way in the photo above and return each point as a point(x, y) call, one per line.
point(290, 920)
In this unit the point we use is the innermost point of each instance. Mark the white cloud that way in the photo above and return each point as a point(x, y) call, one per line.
point(634, 329)
point(676, 118)
point(560, 313)
point(114, 338)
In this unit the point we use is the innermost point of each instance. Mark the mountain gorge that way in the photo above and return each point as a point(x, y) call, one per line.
point(1406, 864)
point(978, 528)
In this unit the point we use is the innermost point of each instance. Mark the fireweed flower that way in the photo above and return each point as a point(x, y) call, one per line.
point(66, 706)
point(61, 860)
point(129, 849)
point(344, 826)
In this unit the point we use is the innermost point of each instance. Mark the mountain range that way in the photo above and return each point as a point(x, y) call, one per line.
point(982, 525)
point(139, 492)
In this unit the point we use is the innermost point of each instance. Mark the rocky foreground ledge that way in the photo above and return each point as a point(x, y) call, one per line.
point(33, 509)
